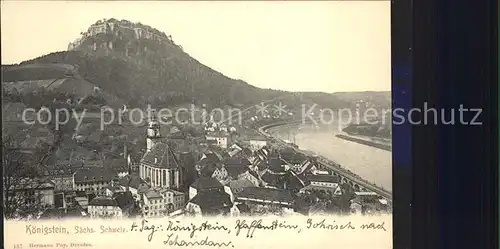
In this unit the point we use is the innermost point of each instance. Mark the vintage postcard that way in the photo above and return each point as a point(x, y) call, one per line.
point(196, 124)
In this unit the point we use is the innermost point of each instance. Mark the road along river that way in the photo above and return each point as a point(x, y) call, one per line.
point(370, 163)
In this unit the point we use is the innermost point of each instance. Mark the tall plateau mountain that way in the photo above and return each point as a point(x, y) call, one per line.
point(135, 64)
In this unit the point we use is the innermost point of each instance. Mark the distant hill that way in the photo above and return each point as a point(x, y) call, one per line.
point(135, 64)
point(382, 98)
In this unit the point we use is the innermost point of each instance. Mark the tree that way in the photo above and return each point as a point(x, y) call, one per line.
point(17, 166)
point(21, 167)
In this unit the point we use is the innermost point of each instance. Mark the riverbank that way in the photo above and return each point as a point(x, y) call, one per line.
point(372, 165)
point(366, 141)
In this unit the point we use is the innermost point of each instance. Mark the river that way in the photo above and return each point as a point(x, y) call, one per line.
point(372, 164)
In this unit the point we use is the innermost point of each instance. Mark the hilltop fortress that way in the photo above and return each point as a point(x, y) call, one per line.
point(125, 36)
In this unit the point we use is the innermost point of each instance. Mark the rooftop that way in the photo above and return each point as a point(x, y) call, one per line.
point(236, 161)
point(212, 200)
point(208, 170)
point(324, 178)
point(236, 170)
point(217, 134)
point(33, 183)
point(222, 154)
point(261, 164)
point(165, 190)
point(103, 201)
point(240, 184)
point(266, 194)
point(133, 181)
point(93, 175)
point(276, 165)
point(153, 194)
point(57, 213)
point(273, 179)
point(156, 193)
point(161, 156)
point(124, 199)
point(206, 183)
point(210, 157)
point(256, 137)
point(291, 156)
point(237, 165)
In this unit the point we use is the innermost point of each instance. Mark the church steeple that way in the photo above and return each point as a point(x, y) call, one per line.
point(153, 132)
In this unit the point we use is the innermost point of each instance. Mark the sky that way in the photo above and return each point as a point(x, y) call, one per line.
point(327, 46)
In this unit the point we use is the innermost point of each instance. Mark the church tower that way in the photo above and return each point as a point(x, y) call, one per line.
point(153, 133)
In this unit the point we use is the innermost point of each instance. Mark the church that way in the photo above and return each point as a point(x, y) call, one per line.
point(159, 166)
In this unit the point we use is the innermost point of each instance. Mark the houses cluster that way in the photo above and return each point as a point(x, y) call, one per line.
point(249, 180)
point(227, 178)
point(218, 134)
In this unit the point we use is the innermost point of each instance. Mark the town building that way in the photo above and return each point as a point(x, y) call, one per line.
point(160, 167)
point(118, 206)
point(153, 135)
point(205, 184)
point(94, 180)
point(240, 151)
point(237, 166)
point(291, 157)
point(216, 171)
point(187, 160)
point(61, 213)
point(61, 173)
point(32, 192)
point(114, 188)
point(209, 203)
point(262, 198)
point(119, 166)
point(63, 182)
point(234, 149)
point(135, 185)
point(257, 142)
point(210, 127)
point(223, 128)
point(276, 173)
point(252, 177)
point(307, 166)
point(221, 139)
point(368, 203)
point(326, 183)
point(82, 199)
point(237, 186)
point(161, 202)
point(260, 160)
point(208, 158)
